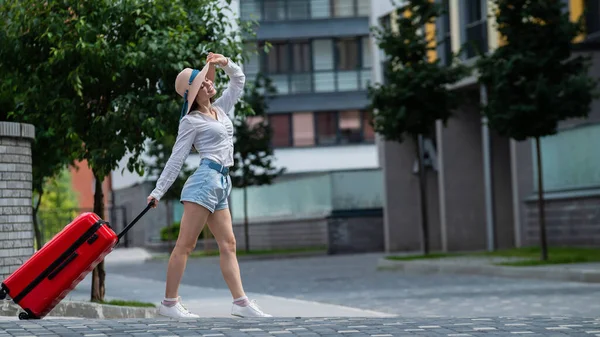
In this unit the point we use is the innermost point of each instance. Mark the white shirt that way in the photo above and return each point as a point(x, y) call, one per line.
point(213, 139)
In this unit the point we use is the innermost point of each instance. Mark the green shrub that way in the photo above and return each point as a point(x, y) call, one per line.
point(172, 232)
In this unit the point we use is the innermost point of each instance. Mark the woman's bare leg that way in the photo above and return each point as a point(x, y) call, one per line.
point(220, 225)
point(193, 220)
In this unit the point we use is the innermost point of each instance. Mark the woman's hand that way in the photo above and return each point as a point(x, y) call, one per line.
point(217, 59)
point(150, 198)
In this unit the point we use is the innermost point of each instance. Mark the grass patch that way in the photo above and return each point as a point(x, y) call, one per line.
point(421, 257)
point(258, 252)
point(529, 256)
point(124, 303)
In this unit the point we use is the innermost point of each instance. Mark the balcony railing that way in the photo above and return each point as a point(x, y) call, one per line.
point(282, 10)
point(321, 81)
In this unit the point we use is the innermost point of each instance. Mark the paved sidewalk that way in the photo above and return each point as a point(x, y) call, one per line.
point(576, 272)
point(211, 302)
point(306, 327)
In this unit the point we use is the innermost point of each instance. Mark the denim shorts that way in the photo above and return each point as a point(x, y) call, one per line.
point(207, 187)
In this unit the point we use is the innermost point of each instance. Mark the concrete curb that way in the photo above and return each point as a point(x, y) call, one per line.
point(80, 309)
point(544, 273)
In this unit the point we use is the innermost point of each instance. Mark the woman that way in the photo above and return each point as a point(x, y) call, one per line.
point(207, 127)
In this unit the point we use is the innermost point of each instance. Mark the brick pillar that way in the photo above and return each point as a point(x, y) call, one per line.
point(16, 221)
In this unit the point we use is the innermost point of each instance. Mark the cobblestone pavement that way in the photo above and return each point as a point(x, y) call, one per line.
point(352, 280)
point(373, 327)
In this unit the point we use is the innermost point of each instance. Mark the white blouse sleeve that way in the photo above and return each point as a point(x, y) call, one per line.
point(234, 91)
point(183, 145)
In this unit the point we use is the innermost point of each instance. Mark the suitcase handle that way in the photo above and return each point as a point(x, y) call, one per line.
point(126, 229)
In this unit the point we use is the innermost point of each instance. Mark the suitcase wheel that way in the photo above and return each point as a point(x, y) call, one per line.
point(2, 294)
point(23, 315)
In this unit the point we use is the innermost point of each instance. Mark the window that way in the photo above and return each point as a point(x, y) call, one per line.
point(475, 27)
point(320, 9)
point(326, 128)
point(281, 126)
point(593, 17)
point(315, 65)
point(368, 132)
point(250, 10)
point(350, 127)
point(364, 8)
point(301, 78)
point(444, 46)
point(343, 8)
point(304, 131)
point(298, 9)
point(274, 10)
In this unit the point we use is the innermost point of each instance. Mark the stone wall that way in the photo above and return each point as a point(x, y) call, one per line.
point(570, 221)
point(16, 222)
point(356, 231)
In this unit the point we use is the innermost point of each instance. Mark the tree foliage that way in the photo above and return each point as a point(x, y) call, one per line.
point(533, 79)
point(107, 69)
point(416, 93)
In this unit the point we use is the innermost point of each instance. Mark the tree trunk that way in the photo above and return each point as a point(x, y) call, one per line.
point(36, 225)
point(423, 193)
point(246, 231)
point(542, 216)
point(98, 273)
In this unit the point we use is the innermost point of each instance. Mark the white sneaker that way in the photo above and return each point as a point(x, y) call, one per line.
point(251, 310)
point(176, 311)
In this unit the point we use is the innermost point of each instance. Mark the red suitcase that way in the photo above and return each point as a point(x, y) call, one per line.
point(54, 270)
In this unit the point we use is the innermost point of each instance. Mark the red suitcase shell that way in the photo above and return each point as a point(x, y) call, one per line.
point(53, 271)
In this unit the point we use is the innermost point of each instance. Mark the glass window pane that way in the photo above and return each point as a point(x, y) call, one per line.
point(304, 129)
point(347, 54)
point(274, 10)
point(250, 10)
point(368, 132)
point(277, 60)
point(365, 78)
point(366, 52)
point(301, 83)
point(297, 9)
point(347, 80)
point(350, 129)
point(324, 81)
point(343, 8)
point(326, 128)
point(301, 57)
point(281, 84)
point(473, 10)
point(364, 7)
point(320, 9)
point(323, 54)
point(280, 124)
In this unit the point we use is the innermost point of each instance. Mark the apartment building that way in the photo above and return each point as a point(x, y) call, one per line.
point(320, 64)
point(482, 192)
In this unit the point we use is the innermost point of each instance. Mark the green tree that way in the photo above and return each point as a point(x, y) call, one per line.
point(253, 156)
point(533, 80)
point(59, 207)
point(415, 94)
point(115, 63)
point(28, 96)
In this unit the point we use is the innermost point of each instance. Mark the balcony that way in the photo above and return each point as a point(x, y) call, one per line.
point(293, 10)
point(321, 81)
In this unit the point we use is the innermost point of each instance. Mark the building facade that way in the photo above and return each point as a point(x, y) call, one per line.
point(482, 190)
